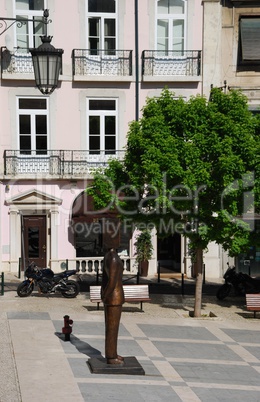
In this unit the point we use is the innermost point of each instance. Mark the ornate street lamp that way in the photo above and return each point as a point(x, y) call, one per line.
point(47, 60)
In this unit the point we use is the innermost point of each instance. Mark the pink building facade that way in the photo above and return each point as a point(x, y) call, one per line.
point(116, 54)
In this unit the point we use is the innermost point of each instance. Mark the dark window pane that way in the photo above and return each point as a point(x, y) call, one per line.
point(32, 103)
point(250, 38)
point(94, 46)
point(94, 125)
point(24, 124)
point(25, 142)
point(101, 6)
point(88, 239)
point(110, 143)
point(41, 124)
point(41, 142)
point(94, 143)
point(102, 104)
point(110, 44)
point(30, 4)
point(93, 26)
point(110, 125)
point(110, 27)
point(33, 242)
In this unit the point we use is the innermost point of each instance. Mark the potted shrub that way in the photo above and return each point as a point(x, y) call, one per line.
point(144, 251)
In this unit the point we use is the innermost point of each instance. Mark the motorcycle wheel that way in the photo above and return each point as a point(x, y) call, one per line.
point(223, 291)
point(72, 290)
point(25, 289)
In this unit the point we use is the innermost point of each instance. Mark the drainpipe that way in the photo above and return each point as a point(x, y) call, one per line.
point(136, 63)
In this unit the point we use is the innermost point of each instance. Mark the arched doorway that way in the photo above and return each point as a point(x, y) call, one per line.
point(169, 253)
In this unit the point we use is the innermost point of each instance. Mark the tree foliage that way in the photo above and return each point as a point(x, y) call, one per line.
point(192, 163)
point(190, 167)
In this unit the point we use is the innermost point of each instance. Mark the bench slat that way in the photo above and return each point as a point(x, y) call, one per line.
point(253, 302)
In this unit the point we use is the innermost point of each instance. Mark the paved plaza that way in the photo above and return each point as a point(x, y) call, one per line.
point(185, 359)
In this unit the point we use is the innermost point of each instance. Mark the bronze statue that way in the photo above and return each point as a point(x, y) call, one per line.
point(112, 295)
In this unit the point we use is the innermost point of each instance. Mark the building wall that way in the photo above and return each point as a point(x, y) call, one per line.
point(222, 67)
point(221, 47)
point(67, 115)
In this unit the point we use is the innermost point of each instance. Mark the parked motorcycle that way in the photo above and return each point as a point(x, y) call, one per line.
point(238, 281)
point(48, 282)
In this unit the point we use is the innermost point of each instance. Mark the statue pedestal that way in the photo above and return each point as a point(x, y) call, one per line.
point(98, 365)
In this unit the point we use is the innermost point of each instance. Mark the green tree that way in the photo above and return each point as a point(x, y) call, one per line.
point(194, 164)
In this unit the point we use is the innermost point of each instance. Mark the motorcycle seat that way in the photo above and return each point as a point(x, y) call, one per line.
point(68, 272)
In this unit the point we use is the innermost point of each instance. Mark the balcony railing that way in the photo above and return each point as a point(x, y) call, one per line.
point(102, 62)
point(17, 62)
point(94, 265)
point(56, 163)
point(171, 63)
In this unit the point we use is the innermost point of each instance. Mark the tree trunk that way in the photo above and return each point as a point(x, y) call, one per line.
point(199, 280)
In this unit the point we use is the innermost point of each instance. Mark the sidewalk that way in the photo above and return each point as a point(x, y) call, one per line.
point(185, 359)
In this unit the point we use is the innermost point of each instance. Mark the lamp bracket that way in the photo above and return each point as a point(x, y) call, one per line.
point(6, 23)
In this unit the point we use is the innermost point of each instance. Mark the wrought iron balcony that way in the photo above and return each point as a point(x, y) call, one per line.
point(108, 63)
point(61, 163)
point(163, 63)
point(19, 61)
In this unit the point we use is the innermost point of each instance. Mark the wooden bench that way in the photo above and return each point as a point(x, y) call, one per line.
point(133, 294)
point(253, 302)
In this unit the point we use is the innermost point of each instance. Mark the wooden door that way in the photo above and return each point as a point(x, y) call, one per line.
point(34, 237)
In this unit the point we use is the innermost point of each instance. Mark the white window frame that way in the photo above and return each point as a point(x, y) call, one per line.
point(28, 14)
point(102, 17)
point(170, 18)
point(102, 114)
point(32, 113)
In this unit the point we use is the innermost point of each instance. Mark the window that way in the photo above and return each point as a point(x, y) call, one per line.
point(28, 34)
point(101, 25)
point(33, 125)
point(249, 49)
point(102, 126)
point(171, 25)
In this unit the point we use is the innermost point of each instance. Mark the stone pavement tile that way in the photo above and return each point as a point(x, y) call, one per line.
point(217, 373)
point(196, 350)
point(43, 370)
point(226, 395)
point(85, 339)
point(171, 355)
point(9, 385)
point(245, 335)
point(254, 350)
point(78, 345)
point(176, 332)
point(128, 393)
point(27, 315)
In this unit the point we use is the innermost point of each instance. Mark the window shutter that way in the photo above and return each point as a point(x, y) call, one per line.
point(250, 38)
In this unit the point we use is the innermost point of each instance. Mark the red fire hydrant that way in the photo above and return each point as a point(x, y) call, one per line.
point(67, 329)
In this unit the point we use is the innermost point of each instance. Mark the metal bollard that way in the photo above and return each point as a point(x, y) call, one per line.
point(2, 283)
point(182, 284)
